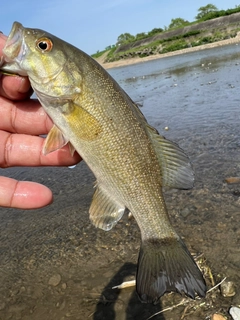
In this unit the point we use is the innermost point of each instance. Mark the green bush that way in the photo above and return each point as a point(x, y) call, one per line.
point(220, 13)
point(154, 31)
point(191, 33)
point(178, 45)
point(111, 53)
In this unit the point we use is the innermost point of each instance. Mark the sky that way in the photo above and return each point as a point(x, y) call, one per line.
point(92, 25)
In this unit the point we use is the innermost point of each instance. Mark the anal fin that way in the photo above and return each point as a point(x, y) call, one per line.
point(105, 211)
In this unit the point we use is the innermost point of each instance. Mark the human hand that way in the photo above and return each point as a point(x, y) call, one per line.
point(22, 121)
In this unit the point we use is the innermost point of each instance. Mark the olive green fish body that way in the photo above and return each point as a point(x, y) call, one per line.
point(130, 160)
point(112, 142)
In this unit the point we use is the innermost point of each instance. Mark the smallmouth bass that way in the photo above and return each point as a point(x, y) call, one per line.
point(128, 157)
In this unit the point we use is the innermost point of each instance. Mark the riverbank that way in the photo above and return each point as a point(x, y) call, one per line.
point(126, 62)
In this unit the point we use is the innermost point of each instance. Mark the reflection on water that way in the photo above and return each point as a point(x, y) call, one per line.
point(55, 265)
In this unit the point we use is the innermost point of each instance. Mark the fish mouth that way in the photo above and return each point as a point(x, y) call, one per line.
point(14, 49)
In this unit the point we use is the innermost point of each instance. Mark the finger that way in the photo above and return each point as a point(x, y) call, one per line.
point(23, 194)
point(15, 87)
point(26, 150)
point(24, 117)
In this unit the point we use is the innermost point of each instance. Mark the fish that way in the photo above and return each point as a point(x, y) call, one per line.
point(131, 161)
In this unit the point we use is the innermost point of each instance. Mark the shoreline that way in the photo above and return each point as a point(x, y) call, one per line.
point(127, 62)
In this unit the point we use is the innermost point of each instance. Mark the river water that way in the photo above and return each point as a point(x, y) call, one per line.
point(55, 265)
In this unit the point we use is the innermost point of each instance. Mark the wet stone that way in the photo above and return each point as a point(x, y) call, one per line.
point(188, 211)
point(61, 304)
point(64, 286)
point(54, 280)
point(227, 289)
point(185, 212)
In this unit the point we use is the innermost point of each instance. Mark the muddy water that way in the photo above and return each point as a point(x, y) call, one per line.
point(55, 265)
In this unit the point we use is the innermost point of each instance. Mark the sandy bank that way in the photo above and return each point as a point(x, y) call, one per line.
point(127, 62)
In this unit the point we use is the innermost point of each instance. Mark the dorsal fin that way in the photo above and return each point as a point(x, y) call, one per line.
point(175, 165)
point(176, 168)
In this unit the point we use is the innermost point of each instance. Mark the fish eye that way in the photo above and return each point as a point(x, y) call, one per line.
point(44, 44)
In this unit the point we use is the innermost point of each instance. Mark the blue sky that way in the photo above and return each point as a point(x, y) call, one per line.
point(92, 25)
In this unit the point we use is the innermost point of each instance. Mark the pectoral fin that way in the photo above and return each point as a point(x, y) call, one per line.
point(80, 121)
point(104, 211)
point(54, 141)
point(71, 149)
point(175, 165)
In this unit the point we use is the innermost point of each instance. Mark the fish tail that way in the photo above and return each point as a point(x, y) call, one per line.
point(166, 265)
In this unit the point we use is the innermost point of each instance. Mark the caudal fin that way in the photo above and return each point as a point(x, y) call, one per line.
point(166, 265)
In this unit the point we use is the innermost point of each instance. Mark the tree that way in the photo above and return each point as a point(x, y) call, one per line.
point(155, 31)
point(140, 36)
point(177, 23)
point(125, 38)
point(204, 11)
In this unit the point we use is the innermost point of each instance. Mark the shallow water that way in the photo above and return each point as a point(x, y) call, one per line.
point(55, 265)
